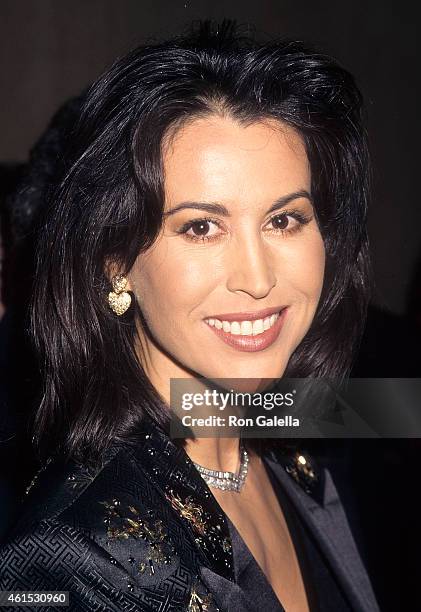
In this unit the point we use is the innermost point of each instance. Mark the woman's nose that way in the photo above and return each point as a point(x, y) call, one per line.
point(250, 268)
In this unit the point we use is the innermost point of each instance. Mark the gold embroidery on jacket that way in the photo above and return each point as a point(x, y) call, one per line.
point(200, 603)
point(120, 526)
point(189, 510)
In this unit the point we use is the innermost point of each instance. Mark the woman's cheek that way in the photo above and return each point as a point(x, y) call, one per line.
point(165, 298)
point(309, 266)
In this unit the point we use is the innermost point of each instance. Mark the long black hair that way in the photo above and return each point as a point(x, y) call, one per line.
point(109, 204)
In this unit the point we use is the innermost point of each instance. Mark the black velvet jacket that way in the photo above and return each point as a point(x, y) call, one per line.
point(143, 532)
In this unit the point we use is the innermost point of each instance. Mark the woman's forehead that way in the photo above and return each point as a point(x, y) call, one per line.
point(219, 158)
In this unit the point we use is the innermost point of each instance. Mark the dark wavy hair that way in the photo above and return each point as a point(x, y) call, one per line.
point(109, 207)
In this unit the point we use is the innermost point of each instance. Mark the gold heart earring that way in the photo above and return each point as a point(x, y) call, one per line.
point(119, 300)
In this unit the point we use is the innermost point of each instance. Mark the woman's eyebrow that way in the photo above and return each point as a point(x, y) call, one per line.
point(284, 200)
point(219, 209)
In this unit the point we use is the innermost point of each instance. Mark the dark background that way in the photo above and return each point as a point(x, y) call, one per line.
point(50, 50)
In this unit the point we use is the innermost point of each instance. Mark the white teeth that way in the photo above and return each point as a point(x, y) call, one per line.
point(235, 328)
point(226, 326)
point(244, 328)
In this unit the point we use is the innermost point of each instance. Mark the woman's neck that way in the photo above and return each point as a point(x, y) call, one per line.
point(221, 454)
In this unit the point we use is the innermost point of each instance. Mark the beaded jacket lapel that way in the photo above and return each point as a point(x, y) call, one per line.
point(170, 470)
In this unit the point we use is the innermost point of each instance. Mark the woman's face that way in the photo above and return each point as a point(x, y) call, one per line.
point(239, 244)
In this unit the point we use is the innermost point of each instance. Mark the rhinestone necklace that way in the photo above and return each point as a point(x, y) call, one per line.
point(226, 481)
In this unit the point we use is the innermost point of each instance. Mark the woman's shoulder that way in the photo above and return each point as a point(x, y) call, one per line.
point(98, 499)
point(61, 484)
point(110, 535)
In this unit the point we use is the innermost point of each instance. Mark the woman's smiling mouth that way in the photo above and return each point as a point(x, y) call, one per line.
point(249, 331)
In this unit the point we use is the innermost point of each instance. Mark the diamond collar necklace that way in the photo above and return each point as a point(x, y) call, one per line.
point(226, 481)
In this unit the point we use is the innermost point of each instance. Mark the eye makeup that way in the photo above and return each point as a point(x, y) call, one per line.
point(285, 223)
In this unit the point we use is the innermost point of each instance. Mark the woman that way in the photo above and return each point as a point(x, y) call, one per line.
point(210, 223)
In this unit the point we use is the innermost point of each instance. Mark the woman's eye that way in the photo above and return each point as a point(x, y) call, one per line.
point(283, 223)
point(290, 222)
point(280, 222)
point(202, 229)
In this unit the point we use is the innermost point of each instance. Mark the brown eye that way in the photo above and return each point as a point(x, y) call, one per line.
point(200, 228)
point(280, 222)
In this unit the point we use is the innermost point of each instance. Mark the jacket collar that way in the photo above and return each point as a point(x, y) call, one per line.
point(172, 472)
point(319, 507)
